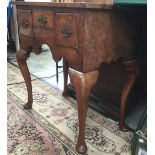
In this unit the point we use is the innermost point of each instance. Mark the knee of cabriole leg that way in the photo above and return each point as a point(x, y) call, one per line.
point(21, 55)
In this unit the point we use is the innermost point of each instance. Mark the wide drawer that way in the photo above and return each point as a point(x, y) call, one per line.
point(25, 22)
point(43, 18)
point(67, 29)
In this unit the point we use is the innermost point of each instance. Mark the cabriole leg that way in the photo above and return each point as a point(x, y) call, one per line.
point(132, 70)
point(83, 84)
point(65, 73)
point(21, 57)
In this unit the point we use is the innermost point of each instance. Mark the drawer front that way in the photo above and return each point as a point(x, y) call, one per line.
point(25, 22)
point(43, 18)
point(67, 29)
point(44, 36)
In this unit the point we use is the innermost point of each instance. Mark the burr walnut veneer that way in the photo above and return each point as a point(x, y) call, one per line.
point(84, 35)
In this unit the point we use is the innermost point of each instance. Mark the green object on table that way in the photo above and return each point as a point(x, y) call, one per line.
point(139, 144)
point(130, 2)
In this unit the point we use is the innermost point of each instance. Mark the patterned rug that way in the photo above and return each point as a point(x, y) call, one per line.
point(51, 126)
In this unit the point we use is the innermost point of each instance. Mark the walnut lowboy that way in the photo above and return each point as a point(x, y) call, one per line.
point(84, 36)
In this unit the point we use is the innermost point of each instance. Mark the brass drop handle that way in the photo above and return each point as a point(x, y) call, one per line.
point(66, 31)
point(25, 24)
point(42, 20)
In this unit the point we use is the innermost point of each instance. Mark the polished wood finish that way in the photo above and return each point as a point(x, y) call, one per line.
point(85, 35)
point(83, 84)
point(110, 36)
point(21, 57)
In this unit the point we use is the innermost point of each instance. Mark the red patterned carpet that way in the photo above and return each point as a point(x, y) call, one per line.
point(26, 136)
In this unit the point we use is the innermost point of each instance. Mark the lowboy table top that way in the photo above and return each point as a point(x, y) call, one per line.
point(96, 4)
point(53, 3)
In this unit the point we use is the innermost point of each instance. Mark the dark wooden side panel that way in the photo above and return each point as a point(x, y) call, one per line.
point(109, 35)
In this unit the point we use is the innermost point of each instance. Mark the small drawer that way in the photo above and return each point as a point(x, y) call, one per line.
point(67, 29)
point(25, 22)
point(43, 18)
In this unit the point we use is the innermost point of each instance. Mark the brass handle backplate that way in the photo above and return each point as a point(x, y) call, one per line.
point(42, 20)
point(25, 24)
point(66, 31)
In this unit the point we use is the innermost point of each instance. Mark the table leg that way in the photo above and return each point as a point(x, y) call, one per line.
point(65, 73)
point(21, 56)
point(132, 70)
point(83, 83)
